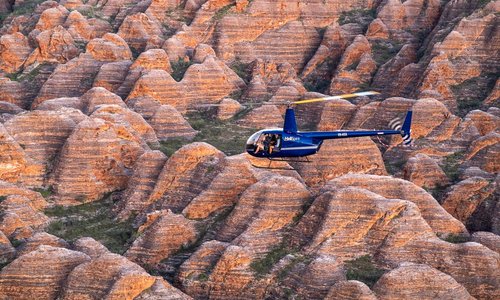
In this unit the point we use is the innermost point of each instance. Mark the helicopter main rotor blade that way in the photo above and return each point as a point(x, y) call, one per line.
point(345, 96)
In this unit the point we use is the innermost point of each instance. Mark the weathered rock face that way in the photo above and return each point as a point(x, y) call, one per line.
point(110, 47)
point(54, 45)
point(51, 18)
point(487, 239)
point(39, 239)
point(484, 122)
point(466, 196)
point(424, 172)
point(131, 120)
point(42, 134)
point(12, 157)
point(99, 96)
point(72, 79)
point(187, 173)
point(228, 108)
point(84, 30)
point(109, 276)
point(335, 115)
point(356, 67)
point(426, 283)
point(146, 171)
point(96, 159)
point(270, 210)
point(350, 290)
point(224, 189)
point(112, 75)
point(91, 272)
point(198, 265)
point(21, 211)
point(168, 123)
point(483, 152)
point(7, 251)
point(14, 49)
point(137, 29)
point(147, 61)
point(212, 79)
point(339, 157)
point(162, 234)
point(15, 92)
point(41, 273)
point(262, 117)
point(439, 220)
point(393, 231)
point(162, 290)
point(447, 72)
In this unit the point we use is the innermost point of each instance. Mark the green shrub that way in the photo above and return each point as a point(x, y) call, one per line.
point(46, 193)
point(222, 12)
point(2, 198)
point(317, 85)
point(363, 269)
point(455, 238)
point(26, 7)
point(451, 165)
point(394, 166)
point(361, 16)
point(471, 93)
point(262, 266)
point(241, 69)
point(383, 51)
point(179, 68)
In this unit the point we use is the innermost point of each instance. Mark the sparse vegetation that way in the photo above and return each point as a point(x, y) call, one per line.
point(394, 166)
point(438, 192)
point(455, 238)
point(2, 198)
point(262, 266)
point(19, 76)
point(202, 277)
point(471, 93)
point(226, 136)
point(483, 3)
point(317, 85)
point(353, 66)
point(94, 220)
point(383, 51)
point(241, 69)
point(451, 165)
point(26, 7)
point(298, 259)
point(222, 12)
point(46, 193)
point(360, 16)
point(363, 269)
point(179, 68)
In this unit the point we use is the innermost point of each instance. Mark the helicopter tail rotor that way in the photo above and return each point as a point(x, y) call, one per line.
point(404, 128)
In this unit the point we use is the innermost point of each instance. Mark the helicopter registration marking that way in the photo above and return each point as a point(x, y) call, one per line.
point(291, 138)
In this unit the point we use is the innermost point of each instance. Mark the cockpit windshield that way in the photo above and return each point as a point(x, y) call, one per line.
point(252, 140)
point(264, 142)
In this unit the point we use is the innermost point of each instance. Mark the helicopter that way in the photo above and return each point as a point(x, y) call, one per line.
point(288, 143)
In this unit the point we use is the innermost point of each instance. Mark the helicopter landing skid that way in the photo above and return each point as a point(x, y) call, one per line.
point(302, 159)
point(306, 160)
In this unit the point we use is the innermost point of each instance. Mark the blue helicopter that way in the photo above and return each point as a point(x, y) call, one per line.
point(288, 142)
